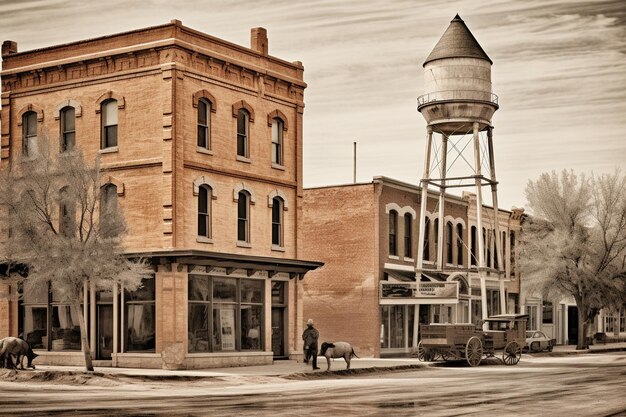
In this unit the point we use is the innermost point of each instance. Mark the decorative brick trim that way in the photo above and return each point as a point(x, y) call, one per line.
point(277, 114)
point(277, 193)
point(26, 109)
point(243, 187)
point(121, 103)
point(203, 180)
point(112, 180)
point(207, 96)
point(243, 105)
point(78, 110)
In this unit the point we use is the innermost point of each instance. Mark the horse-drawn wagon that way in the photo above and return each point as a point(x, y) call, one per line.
point(507, 332)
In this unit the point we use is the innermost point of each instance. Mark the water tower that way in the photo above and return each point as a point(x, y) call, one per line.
point(458, 106)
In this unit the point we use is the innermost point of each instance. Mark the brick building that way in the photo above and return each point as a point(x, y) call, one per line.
point(367, 292)
point(200, 142)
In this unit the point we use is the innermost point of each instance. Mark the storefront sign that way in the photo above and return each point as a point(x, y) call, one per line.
point(419, 290)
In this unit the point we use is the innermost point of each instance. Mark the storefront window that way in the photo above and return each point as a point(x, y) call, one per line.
point(140, 318)
point(392, 326)
point(65, 328)
point(548, 313)
point(36, 317)
point(234, 314)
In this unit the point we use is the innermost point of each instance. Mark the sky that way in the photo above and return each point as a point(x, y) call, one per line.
point(559, 71)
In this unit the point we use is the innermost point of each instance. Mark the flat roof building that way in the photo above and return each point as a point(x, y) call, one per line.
point(200, 140)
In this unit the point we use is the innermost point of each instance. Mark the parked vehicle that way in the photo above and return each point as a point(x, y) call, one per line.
point(537, 341)
point(468, 342)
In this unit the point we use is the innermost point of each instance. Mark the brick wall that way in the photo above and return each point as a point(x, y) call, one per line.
point(342, 297)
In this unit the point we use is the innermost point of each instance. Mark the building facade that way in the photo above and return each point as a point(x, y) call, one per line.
point(200, 143)
point(367, 293)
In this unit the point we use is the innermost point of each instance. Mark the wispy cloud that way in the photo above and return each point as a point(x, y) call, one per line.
point(559, 70)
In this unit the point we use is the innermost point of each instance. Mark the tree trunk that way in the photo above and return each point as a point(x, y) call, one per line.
point(83, 335)
point(582, 328)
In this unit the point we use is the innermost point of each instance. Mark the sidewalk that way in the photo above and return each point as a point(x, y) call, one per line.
point(278, 368)
point(292, 368)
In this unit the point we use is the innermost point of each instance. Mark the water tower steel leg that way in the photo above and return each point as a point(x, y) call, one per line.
point(479, 224)
point(419, 262)
point(496, 220)
point(422, 225)
point(442, 201)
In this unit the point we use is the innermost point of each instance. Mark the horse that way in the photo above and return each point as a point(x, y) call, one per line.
point(14, 346)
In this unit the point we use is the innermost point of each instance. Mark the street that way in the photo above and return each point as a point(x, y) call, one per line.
point(572, 385)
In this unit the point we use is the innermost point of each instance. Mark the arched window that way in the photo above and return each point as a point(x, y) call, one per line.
point(495, 250)
point(503, 249)
point(243, 129)
point(109, 222)
point(393, 227)
point(408, 235)
point(68, 128)
point(427, 239)
point(513, 250)
point(67, 213)
point(436, 238)
point(449, 241)
point(108, 121)
point(204, 211)
point(29, 133)
point(277, 221)
point(459, 244)
point(243, 217)
point(473, 244)
point(204, 124)
point(277, 141)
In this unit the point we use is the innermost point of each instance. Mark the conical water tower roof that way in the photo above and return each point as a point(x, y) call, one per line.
point(457, 42)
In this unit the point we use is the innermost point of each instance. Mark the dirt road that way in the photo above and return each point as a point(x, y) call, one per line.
point(576, 385)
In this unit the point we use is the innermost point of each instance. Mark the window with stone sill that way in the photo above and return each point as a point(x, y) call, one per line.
point(68, 128)
point(29, 134)
point(277, 141)
point(243, 132)
point(204, 124)
point(108, 121)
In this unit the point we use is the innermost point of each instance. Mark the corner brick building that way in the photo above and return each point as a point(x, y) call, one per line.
point(367, 292)
point(200, 142)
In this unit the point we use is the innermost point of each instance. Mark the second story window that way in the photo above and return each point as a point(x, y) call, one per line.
point(204, 211)
point(29, 133)
point(473, 244)
point(67, 214)
point(277, 141)
point(243, 217)
point(449, 241)
point(393, 227)
point(277, 221)
point(243, 129)
point(408, 235)
point(109, 124)
point(204, 124)
point(459, 244)
point(68, 129)
point(108, 209)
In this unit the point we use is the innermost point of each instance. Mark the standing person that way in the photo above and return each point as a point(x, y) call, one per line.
point(310, 336)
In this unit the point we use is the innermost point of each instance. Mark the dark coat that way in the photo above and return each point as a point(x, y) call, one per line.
point(310, 337)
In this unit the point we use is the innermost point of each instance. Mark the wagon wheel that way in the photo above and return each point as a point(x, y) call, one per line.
point(512, 353)
point(421, 351)
point(474, 351)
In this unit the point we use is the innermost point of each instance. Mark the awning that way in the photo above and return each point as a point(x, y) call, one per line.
point(230, 261)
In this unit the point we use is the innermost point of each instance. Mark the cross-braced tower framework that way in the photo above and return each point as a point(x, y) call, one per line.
point(458, 107)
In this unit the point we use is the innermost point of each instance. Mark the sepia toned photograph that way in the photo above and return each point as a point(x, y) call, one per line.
point(290, 208)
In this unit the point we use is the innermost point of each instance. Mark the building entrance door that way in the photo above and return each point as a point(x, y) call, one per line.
point(572, 325)
point(278, 334)
point(104, 315)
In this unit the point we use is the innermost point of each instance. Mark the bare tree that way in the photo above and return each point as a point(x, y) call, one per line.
point(65, 230)
point(574, 242)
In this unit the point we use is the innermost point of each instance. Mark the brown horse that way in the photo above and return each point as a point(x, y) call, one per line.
point(14, 346)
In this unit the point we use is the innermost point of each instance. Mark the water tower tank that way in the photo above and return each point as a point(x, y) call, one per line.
point(457, 83)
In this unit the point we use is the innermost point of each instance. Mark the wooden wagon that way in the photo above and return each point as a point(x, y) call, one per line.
point(507, 332)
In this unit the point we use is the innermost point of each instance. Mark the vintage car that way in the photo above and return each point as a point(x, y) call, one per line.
point(537, 341)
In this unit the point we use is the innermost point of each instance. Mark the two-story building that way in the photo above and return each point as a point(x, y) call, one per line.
point(368, 293)
point(200, 143)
